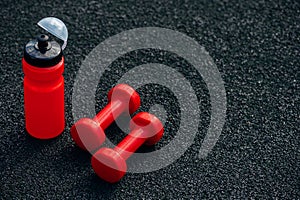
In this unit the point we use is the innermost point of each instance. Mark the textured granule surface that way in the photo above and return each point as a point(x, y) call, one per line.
point(255, 46)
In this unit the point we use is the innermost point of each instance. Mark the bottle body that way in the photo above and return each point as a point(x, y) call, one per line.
point(44, 100)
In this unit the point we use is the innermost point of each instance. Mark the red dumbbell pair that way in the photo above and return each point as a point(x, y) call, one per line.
point(88, 134)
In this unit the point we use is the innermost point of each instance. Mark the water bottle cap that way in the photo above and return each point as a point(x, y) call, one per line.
point(41, 52)
point(56, 27)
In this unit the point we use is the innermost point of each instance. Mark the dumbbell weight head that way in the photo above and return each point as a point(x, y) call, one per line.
point(125, 92)
point(87, 134)
point(154, 127)
point(109, 165)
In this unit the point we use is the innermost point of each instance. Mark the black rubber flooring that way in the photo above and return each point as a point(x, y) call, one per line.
point(255, 45)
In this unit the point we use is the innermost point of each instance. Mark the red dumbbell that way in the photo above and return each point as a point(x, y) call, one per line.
point(110, 164)
point(89, 134)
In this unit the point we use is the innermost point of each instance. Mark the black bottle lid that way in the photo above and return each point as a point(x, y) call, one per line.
point(42, 53)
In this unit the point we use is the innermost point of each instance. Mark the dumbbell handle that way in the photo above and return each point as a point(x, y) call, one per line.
point(109, 113)
point(130, 143)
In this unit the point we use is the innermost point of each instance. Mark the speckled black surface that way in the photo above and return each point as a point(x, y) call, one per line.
point(255, 45)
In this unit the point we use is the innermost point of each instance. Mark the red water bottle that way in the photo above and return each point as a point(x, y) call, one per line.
point(43, 65)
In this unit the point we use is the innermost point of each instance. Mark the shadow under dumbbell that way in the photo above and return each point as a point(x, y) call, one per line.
point(105, 189)
point(78, 155)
